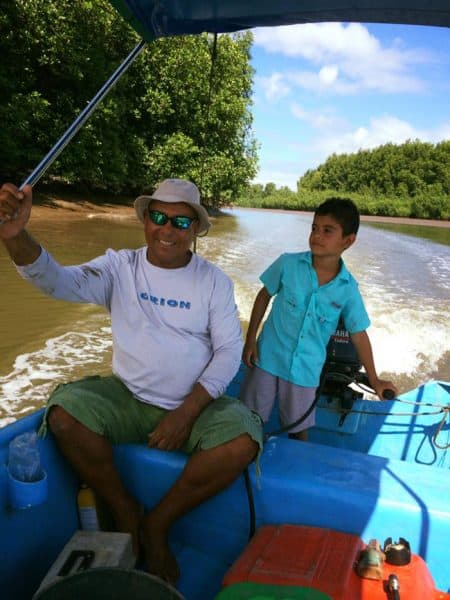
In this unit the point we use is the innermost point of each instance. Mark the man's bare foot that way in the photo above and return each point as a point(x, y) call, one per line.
point(158, 557)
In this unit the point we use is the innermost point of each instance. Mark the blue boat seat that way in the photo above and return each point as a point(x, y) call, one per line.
point(302, 483)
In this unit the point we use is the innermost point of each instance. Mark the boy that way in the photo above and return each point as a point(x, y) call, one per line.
point(311, 289)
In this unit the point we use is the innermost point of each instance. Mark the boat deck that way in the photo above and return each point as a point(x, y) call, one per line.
point(311, 484)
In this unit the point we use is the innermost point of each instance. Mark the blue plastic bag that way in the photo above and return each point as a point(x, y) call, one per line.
point(24, 462)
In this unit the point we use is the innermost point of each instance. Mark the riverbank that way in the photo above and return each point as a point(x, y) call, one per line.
point(369, 218)
point(51, 207)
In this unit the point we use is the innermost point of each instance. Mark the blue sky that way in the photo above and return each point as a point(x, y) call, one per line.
point(333, 87)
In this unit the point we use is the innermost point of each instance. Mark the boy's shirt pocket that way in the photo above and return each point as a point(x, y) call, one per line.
point(291, 303)
point(327, 317)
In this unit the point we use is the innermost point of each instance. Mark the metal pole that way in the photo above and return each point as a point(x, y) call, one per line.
point(81, 119)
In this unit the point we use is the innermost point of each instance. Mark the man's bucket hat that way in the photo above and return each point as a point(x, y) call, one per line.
point(176, 190)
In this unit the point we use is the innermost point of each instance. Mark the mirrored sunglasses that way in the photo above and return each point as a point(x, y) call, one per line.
point(179, 222)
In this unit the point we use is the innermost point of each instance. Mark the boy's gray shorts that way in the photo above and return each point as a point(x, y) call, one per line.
point(260, 388)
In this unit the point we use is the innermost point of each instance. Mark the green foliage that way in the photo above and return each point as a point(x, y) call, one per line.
point(431, 208)
point(409, 169)
point(410, 180)
point(168, 116)
point(424, 207)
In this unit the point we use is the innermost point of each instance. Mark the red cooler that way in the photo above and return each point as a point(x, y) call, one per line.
point(324, 559)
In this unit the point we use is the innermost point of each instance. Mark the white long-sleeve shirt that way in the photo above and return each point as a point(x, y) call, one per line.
point(171, 327)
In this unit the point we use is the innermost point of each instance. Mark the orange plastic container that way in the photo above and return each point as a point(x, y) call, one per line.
point(324, 559)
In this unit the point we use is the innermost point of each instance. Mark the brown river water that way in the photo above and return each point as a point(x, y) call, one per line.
point(403, 271)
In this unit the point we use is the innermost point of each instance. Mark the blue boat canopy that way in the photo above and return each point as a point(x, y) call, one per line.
point(157, 18)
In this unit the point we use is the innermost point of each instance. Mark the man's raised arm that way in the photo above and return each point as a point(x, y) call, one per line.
point(15, 210)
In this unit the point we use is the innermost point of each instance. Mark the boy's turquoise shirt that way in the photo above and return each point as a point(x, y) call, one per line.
point(304, 315)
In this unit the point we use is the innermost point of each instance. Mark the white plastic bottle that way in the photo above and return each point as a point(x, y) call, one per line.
point(87, 509)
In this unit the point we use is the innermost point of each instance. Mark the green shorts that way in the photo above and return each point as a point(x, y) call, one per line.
point(107, 407)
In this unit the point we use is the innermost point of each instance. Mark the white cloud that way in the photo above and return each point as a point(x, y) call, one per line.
point(328, 74)
point(322, 42)
point(282, 171)
point(380, 130)
point(313, 82)
point(330, 60)
point(278, 177)
point(348, 58)
point(440, 134)
point(323, 119)
point(336, 137)
point(317, 42)
point(275, 86)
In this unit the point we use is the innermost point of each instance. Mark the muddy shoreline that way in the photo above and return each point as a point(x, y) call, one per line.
point(54, 207)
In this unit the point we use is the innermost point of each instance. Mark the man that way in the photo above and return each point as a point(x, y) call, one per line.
point(176, 346)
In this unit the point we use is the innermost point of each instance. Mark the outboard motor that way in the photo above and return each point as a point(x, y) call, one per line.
point(341, 368)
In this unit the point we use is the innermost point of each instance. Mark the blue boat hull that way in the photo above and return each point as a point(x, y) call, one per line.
point(377, 478)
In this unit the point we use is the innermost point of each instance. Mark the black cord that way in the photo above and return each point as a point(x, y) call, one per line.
point(248, 483)
point(206, 127)
point(251, 505)
point(207, 110)
point(319, 389)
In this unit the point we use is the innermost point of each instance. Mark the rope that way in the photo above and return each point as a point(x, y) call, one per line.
point(438, 431)
point(346, 379)
point(442, 409)
point(385, 414)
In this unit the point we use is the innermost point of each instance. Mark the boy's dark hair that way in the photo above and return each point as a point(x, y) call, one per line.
point(343, 210)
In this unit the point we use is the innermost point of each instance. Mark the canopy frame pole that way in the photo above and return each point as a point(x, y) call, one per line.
point(82, 118)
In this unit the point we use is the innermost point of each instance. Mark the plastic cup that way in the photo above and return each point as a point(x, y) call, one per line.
point(25, 494)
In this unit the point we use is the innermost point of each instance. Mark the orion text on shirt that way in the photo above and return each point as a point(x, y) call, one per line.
point(164, 302)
